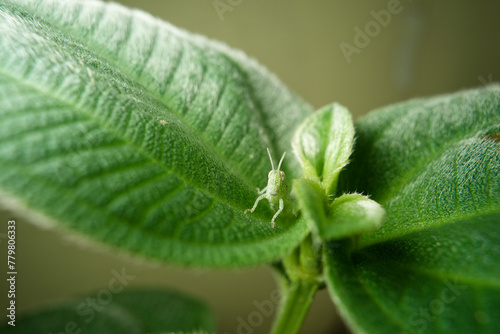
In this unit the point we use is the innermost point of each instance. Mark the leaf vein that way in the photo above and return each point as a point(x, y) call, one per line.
point(26, 133)
point(121, 45)
point(417, 168)
point(153, 205)
point(177, 61)
point(389, 314)
point(194, 219)
point(149, 53)
point(141, 185)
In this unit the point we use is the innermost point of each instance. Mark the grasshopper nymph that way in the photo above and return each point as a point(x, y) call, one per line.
point(276, 190)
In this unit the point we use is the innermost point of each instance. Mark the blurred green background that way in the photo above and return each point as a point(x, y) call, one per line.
point(428, 47)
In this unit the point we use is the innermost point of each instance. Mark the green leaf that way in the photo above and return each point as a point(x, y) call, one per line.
point(120, 127)
point(434, 265)
point(127, 312)
point(323, 143)
point(351, 215)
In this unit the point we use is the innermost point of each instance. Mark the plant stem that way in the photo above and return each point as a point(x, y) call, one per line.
point(294, 306)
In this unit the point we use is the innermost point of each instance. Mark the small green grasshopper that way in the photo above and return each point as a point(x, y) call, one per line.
point(276, 190)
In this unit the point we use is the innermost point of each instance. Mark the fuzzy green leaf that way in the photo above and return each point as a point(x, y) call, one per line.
point(434, 265)
point(127, 312)
point(123, 128)
point(352, 215)
point(323, 143)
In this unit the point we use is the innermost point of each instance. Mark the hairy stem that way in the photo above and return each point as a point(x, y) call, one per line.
point(294, 306)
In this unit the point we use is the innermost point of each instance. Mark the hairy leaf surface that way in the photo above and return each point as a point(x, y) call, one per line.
point(434, 265)
point(123, 128)
point(352, 215)
point(323, 144)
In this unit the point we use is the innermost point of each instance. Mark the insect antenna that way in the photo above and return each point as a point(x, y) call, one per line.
point(270, 158)
point(282, 157)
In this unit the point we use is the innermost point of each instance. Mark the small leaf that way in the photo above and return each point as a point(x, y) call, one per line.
point(123, 128)
point(434, 265)
point(127, 312)
point(323, 144)
point(350, 215)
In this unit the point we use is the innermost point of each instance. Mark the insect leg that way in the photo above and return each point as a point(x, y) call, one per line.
point(261, 191)
point(256, 203)
point(281, 207)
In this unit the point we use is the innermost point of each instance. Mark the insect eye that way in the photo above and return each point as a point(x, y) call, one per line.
point(282, 174)
point(269, 175)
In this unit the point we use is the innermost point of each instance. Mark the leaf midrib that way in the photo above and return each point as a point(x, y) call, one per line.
point(417, 169)
point(445, 275)
point(421, 226)
point(104, 125)
point(432, 273)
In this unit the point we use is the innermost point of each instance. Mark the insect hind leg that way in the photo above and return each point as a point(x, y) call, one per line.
point(255, 204)
point(281, 207)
